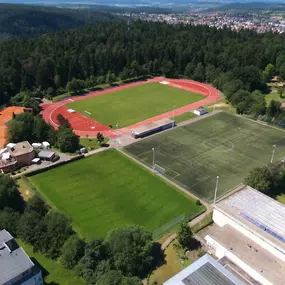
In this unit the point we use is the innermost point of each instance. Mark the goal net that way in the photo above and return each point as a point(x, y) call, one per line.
point(159, 169)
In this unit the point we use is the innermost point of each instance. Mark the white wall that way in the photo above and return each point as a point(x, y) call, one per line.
point(222, 219)
point(220, 252)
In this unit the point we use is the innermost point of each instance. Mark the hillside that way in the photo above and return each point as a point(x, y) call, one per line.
point(25, 20)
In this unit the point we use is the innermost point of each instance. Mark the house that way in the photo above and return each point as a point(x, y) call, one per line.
point(16, 155)
point(23, 153)
point(15, 265)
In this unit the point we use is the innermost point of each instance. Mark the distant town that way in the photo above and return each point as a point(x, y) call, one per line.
point(258, 22)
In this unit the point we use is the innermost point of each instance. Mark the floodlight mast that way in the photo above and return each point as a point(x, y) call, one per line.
point(153, 158)
point(118, 140)
point(216, 190)
point(173, 115)
point(273, 152)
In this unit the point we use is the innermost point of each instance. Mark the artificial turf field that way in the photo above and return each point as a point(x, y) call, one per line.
point(108, 190)
point(134, 104)
point(223, 145)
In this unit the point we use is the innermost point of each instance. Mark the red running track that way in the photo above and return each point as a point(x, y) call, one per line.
point(85, 126)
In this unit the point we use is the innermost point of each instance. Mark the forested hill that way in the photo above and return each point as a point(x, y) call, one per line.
point(95, 55)
point(24, 20)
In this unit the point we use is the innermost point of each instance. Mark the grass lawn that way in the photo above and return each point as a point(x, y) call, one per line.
point(91, 143)
point(222, 144)
point(173, 265)
point(135, 104)
point(274, 96)
point(185, 117)
point(281, 198)
point(108, 190)
point(53, 272)
point(24, 189)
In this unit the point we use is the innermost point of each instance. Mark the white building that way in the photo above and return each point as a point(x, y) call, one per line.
point(251, 235)
point(15, 265)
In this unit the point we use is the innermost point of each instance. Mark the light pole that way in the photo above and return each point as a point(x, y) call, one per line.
point(153, 158)
point(216, 189)
point(173, 115)
point(273, 152)
point(118, 140)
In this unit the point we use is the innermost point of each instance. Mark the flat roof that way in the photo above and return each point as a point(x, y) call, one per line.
point(204, 271)
point(21, 148)
point(46, 154)
point(255, 256)
point(152, 125)
point(257, 212)
point(13, 259)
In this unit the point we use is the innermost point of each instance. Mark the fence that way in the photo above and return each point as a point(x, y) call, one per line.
point(159, 232)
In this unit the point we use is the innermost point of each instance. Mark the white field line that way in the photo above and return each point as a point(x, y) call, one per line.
point(202, 180)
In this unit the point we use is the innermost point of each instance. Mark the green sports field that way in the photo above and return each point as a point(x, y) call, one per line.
point(134, 104)
point(109, 190)
point(223, 145)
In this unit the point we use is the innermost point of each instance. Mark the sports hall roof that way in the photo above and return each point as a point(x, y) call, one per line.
point(257, 212)
point(256, 257)
point(204, 271)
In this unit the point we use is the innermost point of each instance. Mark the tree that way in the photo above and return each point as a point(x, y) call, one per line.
point(239, 97)
point(131, 248)
point(185, 236)
point(28, 127)
point(232, 87)
point(95, 262)
point(72, 251)
point(28, 226)
point(282, 72)
point(63, 122)
point(260, 179)
point(268, 72)
point(67, 140)
point(131, 281)
point(199, 72)
point(75, 85)
point(112, 277)
point(274, 108)
point(100, 138)
point(10, 195)
point(52, 233)
point(9, 220)
point(37, 205)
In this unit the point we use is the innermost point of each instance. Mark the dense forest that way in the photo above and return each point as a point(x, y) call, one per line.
point(24, 20)
point(237, 63)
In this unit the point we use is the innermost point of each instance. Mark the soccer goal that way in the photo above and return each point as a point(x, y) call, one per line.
point(159, 169)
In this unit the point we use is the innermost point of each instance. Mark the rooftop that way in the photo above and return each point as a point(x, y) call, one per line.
point(257, 212)
point(204, 271)
point(46, 154)
point(13, 259)
point(152, 125)
point(255, 256)
point(21, 148)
